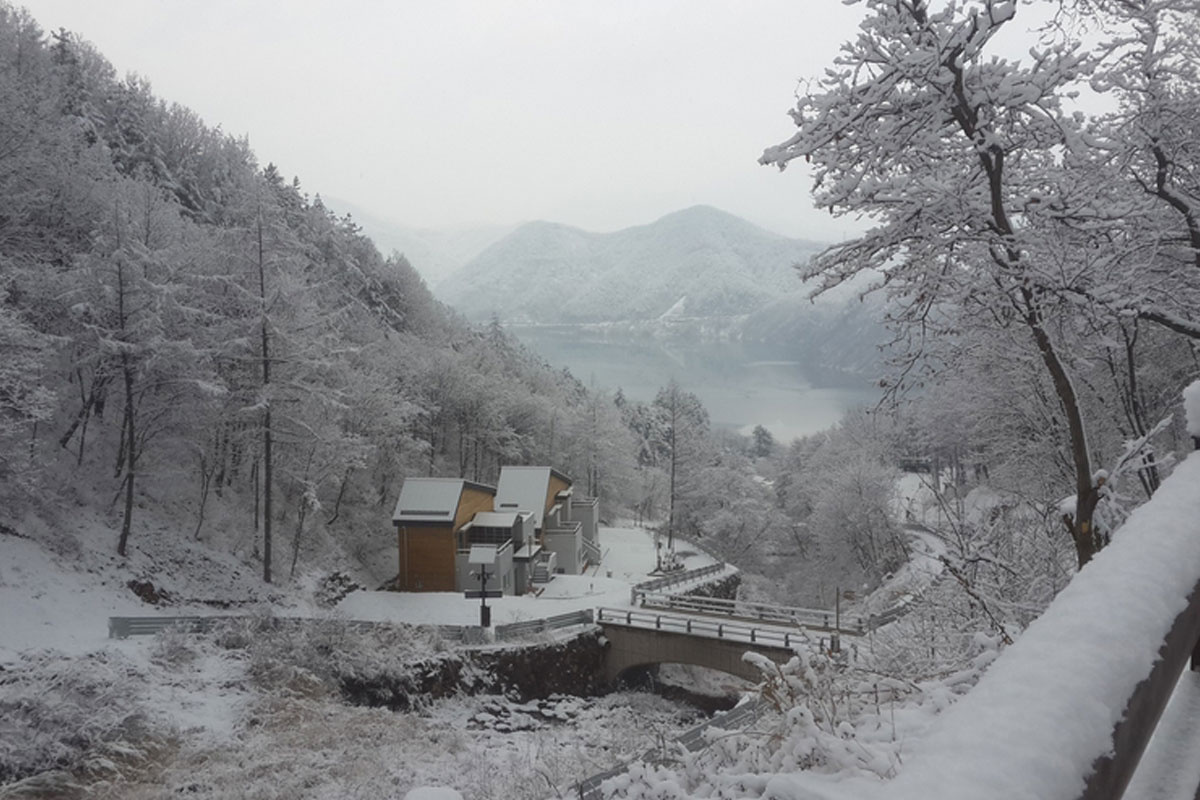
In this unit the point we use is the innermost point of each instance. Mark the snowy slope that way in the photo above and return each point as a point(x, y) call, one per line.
point(177, 714)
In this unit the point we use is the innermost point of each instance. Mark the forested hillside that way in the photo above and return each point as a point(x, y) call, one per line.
point(191, 340)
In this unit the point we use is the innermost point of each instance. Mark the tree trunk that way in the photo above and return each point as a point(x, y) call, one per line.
point(301, 515)
point(1087, 495)
point(130, 456)
point(266, 497)
point(254, 481)
point(206, 472)
point(671, 498)
point(266, 383)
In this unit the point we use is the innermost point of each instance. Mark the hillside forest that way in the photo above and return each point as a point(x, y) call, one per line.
point(193, 342)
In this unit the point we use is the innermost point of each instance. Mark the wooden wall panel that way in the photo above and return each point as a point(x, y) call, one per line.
point(471, 503)
point(429, 558)
point(557, 485)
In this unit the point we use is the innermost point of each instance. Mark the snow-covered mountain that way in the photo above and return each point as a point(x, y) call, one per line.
point(699, 262)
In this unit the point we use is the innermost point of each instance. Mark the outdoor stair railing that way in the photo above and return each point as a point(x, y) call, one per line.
point(591, 551)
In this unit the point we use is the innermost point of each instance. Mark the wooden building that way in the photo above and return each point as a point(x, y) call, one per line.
point(532, 517)
point(428, 514)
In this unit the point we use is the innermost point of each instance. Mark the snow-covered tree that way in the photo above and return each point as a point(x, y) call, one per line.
point(686, 445)
point(992, 209)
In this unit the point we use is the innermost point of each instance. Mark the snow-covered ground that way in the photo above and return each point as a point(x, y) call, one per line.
point(63, 600)
point(220, 729)
point(226, 723)
point(628, 559)
point(59, 587)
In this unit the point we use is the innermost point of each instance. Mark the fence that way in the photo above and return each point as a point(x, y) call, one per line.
point(124, 627)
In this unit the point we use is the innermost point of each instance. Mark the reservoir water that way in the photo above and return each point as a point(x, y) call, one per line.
point(742, 384)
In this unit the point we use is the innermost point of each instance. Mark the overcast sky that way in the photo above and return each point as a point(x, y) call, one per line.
point(452, 113)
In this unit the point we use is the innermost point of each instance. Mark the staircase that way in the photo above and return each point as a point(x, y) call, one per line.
point(591, 551)
point(543, 570)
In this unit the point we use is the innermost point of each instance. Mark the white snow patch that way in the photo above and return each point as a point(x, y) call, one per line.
point(1191, 407)
point(433, 793)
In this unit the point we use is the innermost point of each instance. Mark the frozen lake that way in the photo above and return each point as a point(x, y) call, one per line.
point(741, 384)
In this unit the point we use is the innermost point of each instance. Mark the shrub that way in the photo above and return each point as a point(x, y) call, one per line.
point(80, 716)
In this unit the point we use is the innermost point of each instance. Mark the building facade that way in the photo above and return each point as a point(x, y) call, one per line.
point(532, 517)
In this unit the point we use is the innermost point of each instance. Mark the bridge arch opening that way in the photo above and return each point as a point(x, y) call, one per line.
point(630, 646)
point(709, 690)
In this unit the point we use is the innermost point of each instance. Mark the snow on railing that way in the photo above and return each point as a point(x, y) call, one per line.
point(1191, 410)
point(1067, 710)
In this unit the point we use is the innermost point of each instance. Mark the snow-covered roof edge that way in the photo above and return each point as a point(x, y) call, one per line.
point(432, 500)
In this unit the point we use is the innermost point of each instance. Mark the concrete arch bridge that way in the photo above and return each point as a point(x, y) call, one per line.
point(640, 638)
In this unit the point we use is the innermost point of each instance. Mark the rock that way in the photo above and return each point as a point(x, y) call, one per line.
point(147, 593)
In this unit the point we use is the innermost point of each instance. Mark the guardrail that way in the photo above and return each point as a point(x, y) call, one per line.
point(124, 627)
point(672, 580)
point(700, 626)
point(517, 629)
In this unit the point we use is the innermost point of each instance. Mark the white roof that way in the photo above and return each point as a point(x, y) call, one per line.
point(482, 554)
point(428, 500)
point(528, 550)
point(523, 489)
point(494, 519)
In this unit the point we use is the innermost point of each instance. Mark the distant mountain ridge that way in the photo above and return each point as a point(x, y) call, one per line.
point(434, 253)
point(699, 262)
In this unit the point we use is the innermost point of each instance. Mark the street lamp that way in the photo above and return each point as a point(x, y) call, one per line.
point(482, 556)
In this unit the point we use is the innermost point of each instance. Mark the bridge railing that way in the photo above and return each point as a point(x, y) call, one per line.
point(701, 626)
point(673, 580)
point(785, 615)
